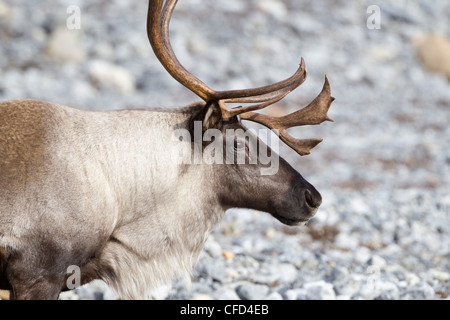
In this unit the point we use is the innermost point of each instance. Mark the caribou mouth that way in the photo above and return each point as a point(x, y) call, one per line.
point(283, 219)
point(290, 222)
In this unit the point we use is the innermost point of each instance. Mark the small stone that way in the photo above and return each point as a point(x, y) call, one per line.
point(346, 241)
point(103, 51)
point(83, 90)
point(359, 206)
point(420, 291)
point(6, 16)
point(197, 45)
point(434, 50)
point(161, 292)
point(213, 270)
point(383, 53)
point(274, 296)
point(354, 73)
point(362, 255)
point(226, 294)
point(5, 10)
point(337, 275)
point(319, 290)
point(377, 261)
point(302, 294)
point(233, 6)
point(231, 228)
point(213, 248)
point(440, 275)
point(270, 233)
point(65, 45)
point(251, 291)
point(275, 8)
point(94, 290)
point(232, 274)
point(291, 294)
point(68, 295)
point(387, 291)
point(112, 76)
point(228, 255)
point(287, 273)
point(351, 286)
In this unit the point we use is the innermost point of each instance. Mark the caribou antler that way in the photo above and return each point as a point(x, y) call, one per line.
point(314, 113)
point(262, 97)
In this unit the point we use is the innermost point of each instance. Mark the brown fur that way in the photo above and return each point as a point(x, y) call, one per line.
point(22, 142)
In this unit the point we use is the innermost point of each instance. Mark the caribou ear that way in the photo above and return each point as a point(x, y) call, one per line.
point(213, 116)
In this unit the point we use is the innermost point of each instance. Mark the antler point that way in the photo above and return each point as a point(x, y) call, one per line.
point(302, 62)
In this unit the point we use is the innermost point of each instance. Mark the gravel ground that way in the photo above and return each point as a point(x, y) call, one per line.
point(383, 168)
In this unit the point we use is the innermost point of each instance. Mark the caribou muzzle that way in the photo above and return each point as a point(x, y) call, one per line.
point(307, 201)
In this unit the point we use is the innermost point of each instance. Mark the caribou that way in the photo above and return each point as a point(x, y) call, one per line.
point(101, 190)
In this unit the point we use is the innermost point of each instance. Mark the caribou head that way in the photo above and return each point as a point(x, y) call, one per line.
point(285, 193)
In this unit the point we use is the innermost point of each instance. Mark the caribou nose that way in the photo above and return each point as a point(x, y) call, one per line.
point(312, 197)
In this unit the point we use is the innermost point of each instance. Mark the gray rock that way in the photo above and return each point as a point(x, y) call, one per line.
point(251, 291)
point(377, 261)
point(213, 248)
point(388, 291)
point(420, 291)
point(352, 286)
point(104, 73)
point(287, 273)
point(274, 296)
point(96, 290)
point(212, 269)
point(65, 45)
point(337, 275)
point(347, 241)
point(226, 293)
point(319, 290)
point(293, 294)
point(275, 8)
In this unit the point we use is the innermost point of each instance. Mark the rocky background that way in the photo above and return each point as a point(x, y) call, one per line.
point(383, 168)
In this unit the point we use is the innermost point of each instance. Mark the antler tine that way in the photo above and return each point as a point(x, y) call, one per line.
point(275, 90)
point(158, 34)
point(240, 95)
point(315, 113)
point(267, 100)
point(282, 89)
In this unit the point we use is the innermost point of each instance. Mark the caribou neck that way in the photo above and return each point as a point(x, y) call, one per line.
point(179, 201)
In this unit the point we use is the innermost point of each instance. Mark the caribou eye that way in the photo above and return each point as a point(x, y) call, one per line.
point(239, 145)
